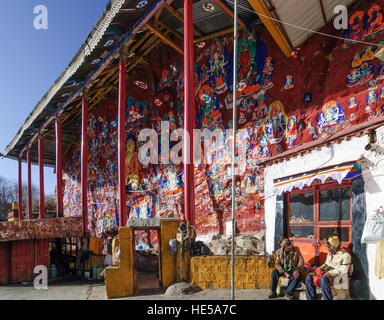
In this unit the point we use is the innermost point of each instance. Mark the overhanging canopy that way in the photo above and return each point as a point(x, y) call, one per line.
point(338, 173)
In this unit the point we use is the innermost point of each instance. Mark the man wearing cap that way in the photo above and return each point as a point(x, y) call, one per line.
point(337, 263)
point(289, 264)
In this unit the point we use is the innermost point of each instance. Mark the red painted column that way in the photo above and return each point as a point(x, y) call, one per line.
point(189, 113)
point(84, 163)
point(59, 170)
point(29, 184)
point(20, 193)
point(121, 144)
point(41, 171)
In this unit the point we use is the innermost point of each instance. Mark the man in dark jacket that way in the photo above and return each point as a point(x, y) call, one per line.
point(289, 264)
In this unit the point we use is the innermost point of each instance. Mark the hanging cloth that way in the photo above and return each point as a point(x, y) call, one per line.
point(338, 173)
point(379, 263)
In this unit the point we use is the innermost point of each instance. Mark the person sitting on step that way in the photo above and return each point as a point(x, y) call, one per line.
point(337, 263)
point(289, 264)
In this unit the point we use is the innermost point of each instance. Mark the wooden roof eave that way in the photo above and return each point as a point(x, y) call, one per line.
point(272, 26)
point(88, 46)
point(127, 40)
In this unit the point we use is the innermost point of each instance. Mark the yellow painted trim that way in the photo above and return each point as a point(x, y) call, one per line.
point(272, 26)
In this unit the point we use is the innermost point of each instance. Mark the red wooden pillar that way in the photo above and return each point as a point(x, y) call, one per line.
point(84, 163)
point(121, 144)
point(41, 175)
point(20, 193)
point(189, 113)
point(29, 184)
point(59, 170)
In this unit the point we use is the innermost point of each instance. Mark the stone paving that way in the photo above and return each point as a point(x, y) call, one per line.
point(96, 291)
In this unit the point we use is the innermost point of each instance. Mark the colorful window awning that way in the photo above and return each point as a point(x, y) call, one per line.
point(338, 173)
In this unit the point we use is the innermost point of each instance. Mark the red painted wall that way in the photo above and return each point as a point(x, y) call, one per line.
point(5, 263)
point(25, 255)
point(22, 261)
point(320, 67)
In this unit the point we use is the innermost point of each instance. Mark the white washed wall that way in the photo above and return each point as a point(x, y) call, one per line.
point(345, 151)
point(374, 195)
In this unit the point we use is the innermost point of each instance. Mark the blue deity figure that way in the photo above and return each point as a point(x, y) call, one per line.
point(218, 66)
point(276, 123)
point(331, 118)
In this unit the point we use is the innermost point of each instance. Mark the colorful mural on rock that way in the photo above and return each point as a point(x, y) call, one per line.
point(281, 105)
point(364, 25)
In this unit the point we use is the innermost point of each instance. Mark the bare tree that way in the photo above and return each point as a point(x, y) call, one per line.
point(9, 194)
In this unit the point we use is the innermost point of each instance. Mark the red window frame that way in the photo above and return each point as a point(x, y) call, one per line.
point(316, 223)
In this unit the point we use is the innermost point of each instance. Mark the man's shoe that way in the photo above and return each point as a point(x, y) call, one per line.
point(272, 295)
point(290, 297)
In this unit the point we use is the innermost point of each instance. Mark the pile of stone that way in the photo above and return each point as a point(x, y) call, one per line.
point(182, 289)
point(250, 243)
point(148, 260)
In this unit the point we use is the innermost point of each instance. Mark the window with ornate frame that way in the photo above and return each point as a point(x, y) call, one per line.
point(318, 212)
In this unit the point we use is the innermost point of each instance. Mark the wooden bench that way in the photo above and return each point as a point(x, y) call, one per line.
point(340, 292)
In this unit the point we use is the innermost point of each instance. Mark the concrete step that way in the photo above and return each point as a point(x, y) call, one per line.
point(299, 293)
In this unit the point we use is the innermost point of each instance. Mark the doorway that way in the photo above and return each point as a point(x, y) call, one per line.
point(147, 264)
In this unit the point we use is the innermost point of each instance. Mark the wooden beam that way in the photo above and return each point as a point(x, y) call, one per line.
point(89, 81)
point(179, 16)
point(52, 135)
point(101, 92)
point(170, 30)
point(141, 58)
point(138, 43)
point(272, 26)
point(158, 14)
point(323, 11)
point(165, 39)
point(45, 153)
point(130, 51)
point(106, 76)
point(66, 151)
point(213, 35)
point(229, 13)
point(131, 10)
point(108, 70)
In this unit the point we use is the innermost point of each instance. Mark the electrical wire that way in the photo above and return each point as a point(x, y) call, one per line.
point(309, 30)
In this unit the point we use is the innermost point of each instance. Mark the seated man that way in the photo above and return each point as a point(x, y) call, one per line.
point(337, 263)
point(289, 263)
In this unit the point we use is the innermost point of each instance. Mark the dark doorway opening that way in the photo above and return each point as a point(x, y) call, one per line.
point(63, 256)
point(147, 266)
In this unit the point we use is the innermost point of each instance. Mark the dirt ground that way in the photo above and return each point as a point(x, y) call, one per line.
point(87, 290)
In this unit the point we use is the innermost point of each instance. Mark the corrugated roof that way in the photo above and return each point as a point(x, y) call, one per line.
point(307, 14)
point(112, 25)
point(118, 17)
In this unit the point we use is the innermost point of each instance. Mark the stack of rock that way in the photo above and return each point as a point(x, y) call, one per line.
point(250, 243)
point(148, 260)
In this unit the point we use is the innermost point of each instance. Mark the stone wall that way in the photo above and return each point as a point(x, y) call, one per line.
point(214, 272)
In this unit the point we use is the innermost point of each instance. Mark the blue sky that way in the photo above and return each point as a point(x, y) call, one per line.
point(31, 60)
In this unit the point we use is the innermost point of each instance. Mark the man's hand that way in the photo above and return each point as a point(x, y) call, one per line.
point(287, 274)
point(296, 274)
point(326, 275)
